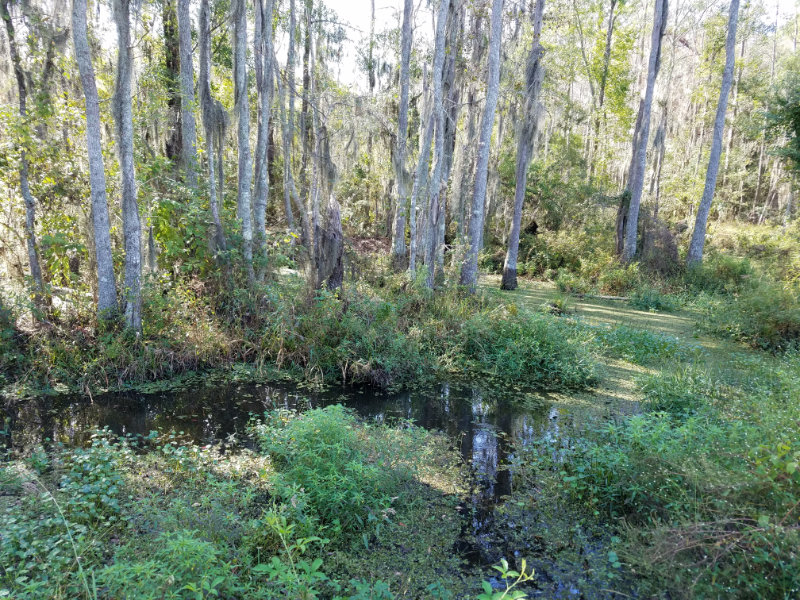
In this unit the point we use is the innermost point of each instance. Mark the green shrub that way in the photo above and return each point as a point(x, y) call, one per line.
point(570, 283)
point(618, 279)
point(643, 347)
point(532, 350)
point(719, 273)
point(181, 566)
point(680, 392)
point(51, 535)
point(649, 298)
point(765, 316)
point(325, 470)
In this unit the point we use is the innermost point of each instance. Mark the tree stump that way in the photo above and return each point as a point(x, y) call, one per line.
point(329, 249)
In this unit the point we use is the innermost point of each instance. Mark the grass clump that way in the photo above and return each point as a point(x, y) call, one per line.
point(181, 567)
point(643, 347)
point(765, 316)
point(530, 349)
point(649, 298)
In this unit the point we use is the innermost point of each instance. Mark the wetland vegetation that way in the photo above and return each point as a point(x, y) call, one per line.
point(465, 324)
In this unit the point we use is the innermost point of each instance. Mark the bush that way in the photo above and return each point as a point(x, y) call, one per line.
point(529, 349)
point(649, 298)
point(570, 283)
point(643, 347)
point(181, 567)
point(618, 279)
point(680, 393)
point(765, 316)
point(326, 472)
point(719, 274)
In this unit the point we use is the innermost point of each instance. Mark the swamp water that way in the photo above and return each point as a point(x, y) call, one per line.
point(485, 430)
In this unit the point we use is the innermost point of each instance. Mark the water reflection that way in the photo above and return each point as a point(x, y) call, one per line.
point(482, 426)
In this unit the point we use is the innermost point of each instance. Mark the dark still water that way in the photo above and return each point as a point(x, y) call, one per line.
point(483, 427)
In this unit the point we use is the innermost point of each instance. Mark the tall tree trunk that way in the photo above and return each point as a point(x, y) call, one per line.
point(637, 182)
point(399, 162)
point(290, 194)
point(534, 74)
point(438, 112)
point(188, 126)
point(452, 96)
point(264, 80)
point(466, 163)
point(306, 123)
point(123, 118)
point(242, 102)
point(27, 197)
point(762, 144)
point(469, 270)
point(106, 284)
point(214, 122)
point(695, 254)
point(287, 120)
point(173, 144)
point(420, 177)
point(601, 92)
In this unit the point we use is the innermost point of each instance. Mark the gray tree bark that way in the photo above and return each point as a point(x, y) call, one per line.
point(640, 153)
point(27, 197)
point(534, 74)
point(264, 81)
point(329, 250)
point(420, 178)
point(215, 122)
point(291, 196)
point(244, 204)
point(434, 212)
point(469, 270)
point(399, 162)
point(695, 254)
point(173, 145)
point(106, 284)
point(466, 160)
point(188, 125)
point(123, 118)
point(452, 98)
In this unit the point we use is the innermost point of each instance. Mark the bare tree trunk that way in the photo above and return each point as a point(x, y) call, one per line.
point(264, 81)
point(27, 197)
point(123, 118)
point(762, 144)
point(399, 162)
point(106, 284)
point(305, 113)
point(290, 189)
point(602, 88)
point(173, 145)
point(419, 182)
point(244, 204)
point(188, 126)
point(469, 270)
point(695, 254)
point(452, 96)
point(534, 74)
point(438, 112)
point(215, 122)
point(637, 181)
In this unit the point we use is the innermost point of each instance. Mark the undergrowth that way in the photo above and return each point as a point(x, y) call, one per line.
point(704, 485)
point(323, 511)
